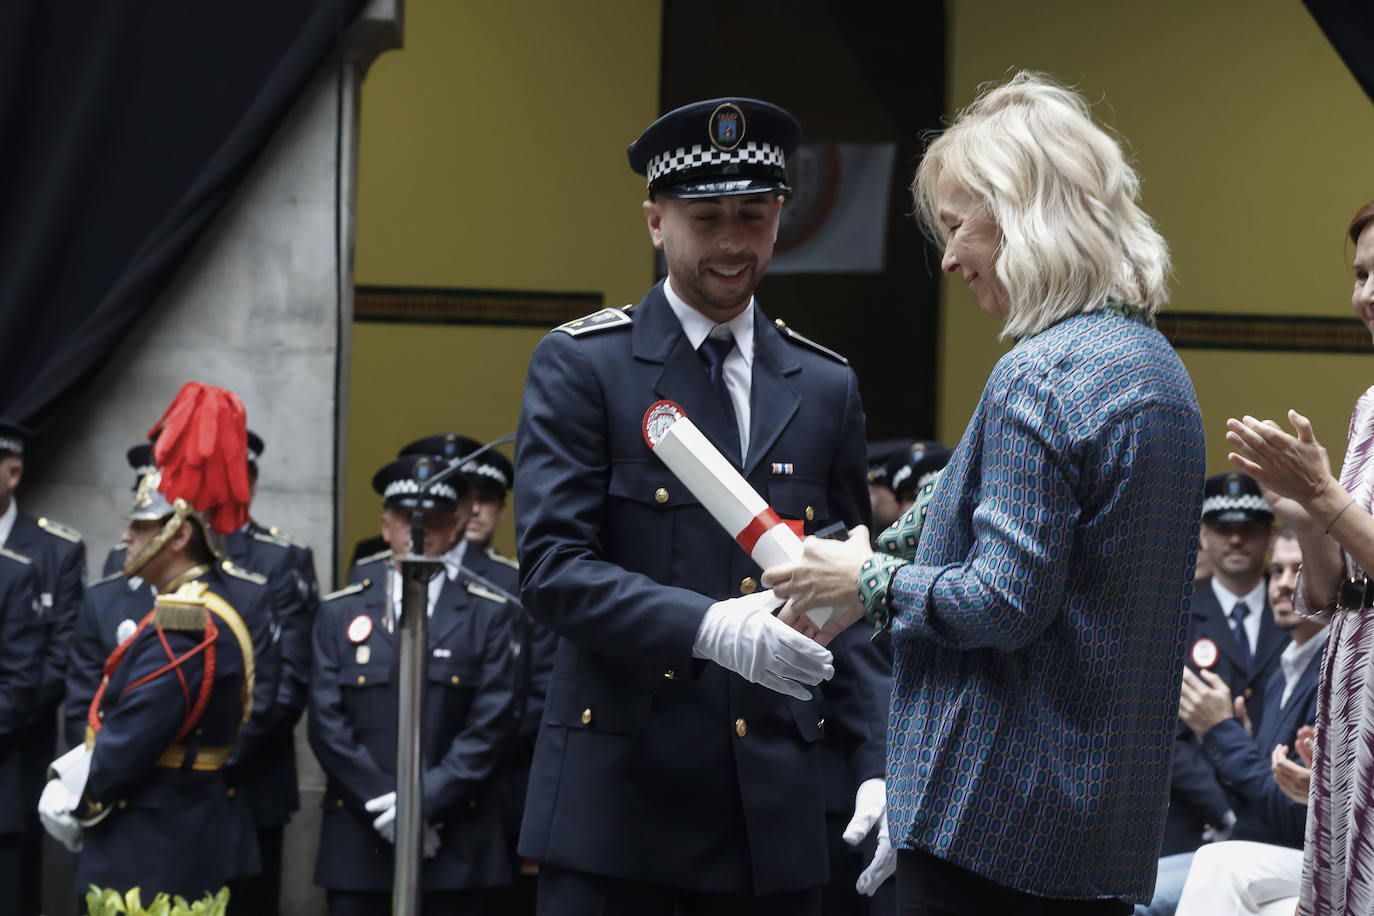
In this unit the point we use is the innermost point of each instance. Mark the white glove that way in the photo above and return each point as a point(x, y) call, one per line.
point(431, 842)
point(870, 807)
point(1223, 832)
point(55, 807)
point(742, 634)
point(385, 823)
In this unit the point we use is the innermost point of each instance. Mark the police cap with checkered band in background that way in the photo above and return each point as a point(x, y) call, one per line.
point(717, 148)
point(1234, 497)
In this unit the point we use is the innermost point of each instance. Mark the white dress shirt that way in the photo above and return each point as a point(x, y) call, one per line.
point(452, 560)
point(1294, 662)
point(738, 367)
point(1254, 601)
point(7, 520)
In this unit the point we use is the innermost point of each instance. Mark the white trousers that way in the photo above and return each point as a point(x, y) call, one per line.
point(1239, 877)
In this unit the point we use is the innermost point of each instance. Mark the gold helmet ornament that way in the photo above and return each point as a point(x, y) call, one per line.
point(201, 470)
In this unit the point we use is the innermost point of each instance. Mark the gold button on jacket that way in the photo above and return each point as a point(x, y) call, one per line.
point(741, 727)
point(747, 585)
point(661, 495)
point(587, 716)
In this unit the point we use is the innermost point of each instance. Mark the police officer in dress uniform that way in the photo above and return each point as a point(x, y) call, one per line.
point(490, 475)
point(59, 557)
point(270, 782)
point(469, 711)
point(1231, 631)
point(21, 670)
point(668, 777)
point(176, 702)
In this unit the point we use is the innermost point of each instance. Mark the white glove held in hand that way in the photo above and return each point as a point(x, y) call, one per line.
point(55, 807)
point(870, 807)
point(742, 634)
point(431, 842)
point(1223, 832)
point(385, 824)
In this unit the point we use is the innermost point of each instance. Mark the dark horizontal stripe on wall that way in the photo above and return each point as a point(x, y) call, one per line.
point(429, 305)
point(1296, 333)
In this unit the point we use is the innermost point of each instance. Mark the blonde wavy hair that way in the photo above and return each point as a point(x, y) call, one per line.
point(1063, 195)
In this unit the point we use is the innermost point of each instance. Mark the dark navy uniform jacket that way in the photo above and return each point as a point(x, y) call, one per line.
point(532, 652)
point(1263, 813)
point(651, 765)
point(267, 776)
point(270, 781)
point(468, 710)
point(1196, 797)
point(100, 621)
point(174, 829)
point(21, 670)
point(59, 556)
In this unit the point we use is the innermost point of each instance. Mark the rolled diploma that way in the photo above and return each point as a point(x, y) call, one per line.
point(725, 494)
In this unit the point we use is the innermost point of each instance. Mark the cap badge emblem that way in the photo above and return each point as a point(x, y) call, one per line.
point(423, 469)
point(143, 497)
point(726, 126)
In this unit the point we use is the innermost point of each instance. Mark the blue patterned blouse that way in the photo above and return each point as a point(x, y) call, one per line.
point(1039, 631)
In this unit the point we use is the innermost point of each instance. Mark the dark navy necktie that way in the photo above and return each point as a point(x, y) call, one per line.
point(1238, 614)
point(713, 351)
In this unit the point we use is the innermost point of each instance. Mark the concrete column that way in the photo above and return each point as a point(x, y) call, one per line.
point(263, 307)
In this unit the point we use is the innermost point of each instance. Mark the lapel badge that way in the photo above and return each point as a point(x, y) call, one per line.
point(443, 653)
point(725, 128)
point(46, 599)
point(1204, 653)
point(363, 655)
point(359, 628)
point(125, 629)
point(782, 469)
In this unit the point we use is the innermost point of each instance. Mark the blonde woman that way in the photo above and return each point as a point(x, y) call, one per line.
point(1037, 621)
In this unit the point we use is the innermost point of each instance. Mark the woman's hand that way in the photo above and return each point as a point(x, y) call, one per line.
point(826, 576)
point(1293, 467)
point(1293, 780)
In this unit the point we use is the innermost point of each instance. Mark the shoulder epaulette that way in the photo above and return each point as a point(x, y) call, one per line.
point(272, 539)
point(103, 579)
point(15, 556)
point(238, 572)
point(188, 618)
point(808, 342)
point(603, 320)
point(348, 590)
point(287, 539)
point(60, 530)
point(513, 564)
point(480, 592)
point(379, 555)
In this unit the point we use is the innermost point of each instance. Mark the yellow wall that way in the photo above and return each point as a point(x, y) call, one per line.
point(1253, 142)
point(492, 157)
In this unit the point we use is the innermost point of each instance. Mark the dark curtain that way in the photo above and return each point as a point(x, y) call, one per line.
point(1349, 26)
point(125, 125)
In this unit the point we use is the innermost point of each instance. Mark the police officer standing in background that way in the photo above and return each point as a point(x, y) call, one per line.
point(675, 769)
point(1231, 632)
point(59, 557)
point(21, 668)
point(469, 714)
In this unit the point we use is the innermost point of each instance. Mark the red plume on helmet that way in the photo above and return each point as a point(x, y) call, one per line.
point(202, 449)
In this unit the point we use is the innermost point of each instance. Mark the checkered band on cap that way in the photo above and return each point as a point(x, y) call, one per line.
point(686, 158)
point(1249, 502)
point(486, 470)
point(406, 486)
point(8, 444)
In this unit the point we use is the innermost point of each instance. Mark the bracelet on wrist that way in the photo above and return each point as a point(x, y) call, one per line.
point(1331, 524)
